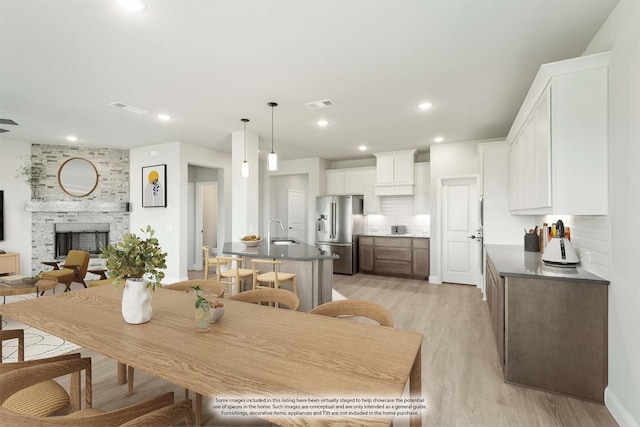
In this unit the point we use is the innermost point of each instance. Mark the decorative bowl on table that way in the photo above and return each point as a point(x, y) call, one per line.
point(216, 310)
point(251, 240)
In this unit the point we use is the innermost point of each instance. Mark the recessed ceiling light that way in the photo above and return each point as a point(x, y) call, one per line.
point(133, 5)
point(362, 148)
point(322, 123)
point(72, 138)
point(425, 106)
point(164, 117)
point(438, 139)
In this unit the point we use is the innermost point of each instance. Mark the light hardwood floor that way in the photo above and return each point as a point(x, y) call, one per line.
point(461, 377)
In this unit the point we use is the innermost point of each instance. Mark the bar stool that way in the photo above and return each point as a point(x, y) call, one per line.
point(207, 261)
point(230, 274)
point(276, 277)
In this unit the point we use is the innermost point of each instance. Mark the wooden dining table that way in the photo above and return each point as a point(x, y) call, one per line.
point(253, 351)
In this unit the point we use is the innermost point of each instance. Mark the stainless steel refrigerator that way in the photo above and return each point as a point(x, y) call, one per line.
point(339, 221)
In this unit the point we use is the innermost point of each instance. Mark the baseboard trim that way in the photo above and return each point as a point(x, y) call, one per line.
point(435, 280)
point(618, 411)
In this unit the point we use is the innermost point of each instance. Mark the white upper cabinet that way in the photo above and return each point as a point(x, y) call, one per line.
point(394, 173)
point(371, 201)
point(351, 181)
point(422, 201)
point(344, 181)
point(558, 157)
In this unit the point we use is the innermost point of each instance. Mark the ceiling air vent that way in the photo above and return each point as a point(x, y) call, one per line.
point(129, 108)
point(320, 104)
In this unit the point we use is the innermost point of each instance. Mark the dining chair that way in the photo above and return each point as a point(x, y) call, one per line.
point(355, 307)
point(160, 410)
point(213, 287)
point(268, 295)
point(208, 261)
point(42, 398)
point(229, 272)
point(74, 269)
point(274, 277)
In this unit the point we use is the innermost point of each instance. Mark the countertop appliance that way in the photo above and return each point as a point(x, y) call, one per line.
point(559, 250)
point(398, 229)
point(339, 221)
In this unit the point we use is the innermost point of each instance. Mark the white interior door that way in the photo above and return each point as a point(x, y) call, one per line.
point(295, 213)
point(206, 220)
point(461, 249)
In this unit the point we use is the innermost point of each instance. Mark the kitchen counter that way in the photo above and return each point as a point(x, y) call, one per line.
point(300, 251)
point(313, 268)
point(512, 260)
point(415, 236)
point(550, 323)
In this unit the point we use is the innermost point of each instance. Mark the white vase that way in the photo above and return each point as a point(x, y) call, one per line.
point(136, 302)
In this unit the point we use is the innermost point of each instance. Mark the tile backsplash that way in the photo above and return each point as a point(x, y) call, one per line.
point(590, 238)
point(397, 210)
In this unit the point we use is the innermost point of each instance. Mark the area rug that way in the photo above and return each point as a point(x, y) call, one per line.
point(37, 344)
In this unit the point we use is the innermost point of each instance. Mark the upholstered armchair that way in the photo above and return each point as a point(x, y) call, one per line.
point(74, 269)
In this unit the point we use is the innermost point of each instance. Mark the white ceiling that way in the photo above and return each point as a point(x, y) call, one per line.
point(210, 63)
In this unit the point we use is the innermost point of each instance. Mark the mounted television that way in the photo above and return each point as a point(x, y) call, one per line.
point(1, 214)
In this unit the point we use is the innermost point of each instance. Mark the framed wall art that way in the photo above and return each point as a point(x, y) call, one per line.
point(154, 186)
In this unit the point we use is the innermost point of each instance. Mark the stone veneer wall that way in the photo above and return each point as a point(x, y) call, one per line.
point(113, 186)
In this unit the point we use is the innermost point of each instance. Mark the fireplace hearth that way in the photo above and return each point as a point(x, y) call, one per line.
point(89, 237)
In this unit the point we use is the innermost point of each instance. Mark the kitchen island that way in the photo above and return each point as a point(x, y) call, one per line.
point(550, 323)
point(313, 267)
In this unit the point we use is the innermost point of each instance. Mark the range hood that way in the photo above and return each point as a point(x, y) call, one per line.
point(394, 173)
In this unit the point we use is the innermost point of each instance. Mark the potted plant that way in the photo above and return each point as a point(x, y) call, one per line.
point(136, 261)
point(32, 171)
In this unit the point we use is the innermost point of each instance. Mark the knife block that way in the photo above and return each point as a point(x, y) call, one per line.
point(531, 243)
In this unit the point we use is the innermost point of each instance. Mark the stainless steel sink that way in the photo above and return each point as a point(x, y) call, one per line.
point(284, 241)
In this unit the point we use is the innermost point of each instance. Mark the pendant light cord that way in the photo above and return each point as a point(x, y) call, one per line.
point(245, 140)
point(272, 104)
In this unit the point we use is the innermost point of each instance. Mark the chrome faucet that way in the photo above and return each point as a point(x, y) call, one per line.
point(269, 229)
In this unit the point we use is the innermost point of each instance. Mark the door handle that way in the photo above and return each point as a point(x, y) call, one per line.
point(471, 237)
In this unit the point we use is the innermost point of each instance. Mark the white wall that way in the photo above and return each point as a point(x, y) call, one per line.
point(500, 227)
point(397, 210)
point(314, 168)
point(447, 160)
point(280, 209)
point(171, 223)
point(621, 34)
point(17, 221)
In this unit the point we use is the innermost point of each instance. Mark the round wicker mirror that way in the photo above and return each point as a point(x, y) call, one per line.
point(78, 177)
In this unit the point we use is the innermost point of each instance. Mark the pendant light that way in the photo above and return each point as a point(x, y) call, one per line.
point(272, 158)
point(245, 165)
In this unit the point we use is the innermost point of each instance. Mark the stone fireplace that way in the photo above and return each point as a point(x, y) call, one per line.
point(60, 222)
point(82, 222)
point(89, 237)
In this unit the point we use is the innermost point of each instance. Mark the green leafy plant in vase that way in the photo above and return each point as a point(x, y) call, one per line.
point(32, 171)
point(136, 257)
point(136, 261)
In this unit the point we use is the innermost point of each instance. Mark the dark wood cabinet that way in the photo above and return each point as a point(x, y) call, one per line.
point(551, 333)
point(392, 256)
point(395, 256)
point(494, 284)
point(366, 254)
point(420, 255)
point(557, 336)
